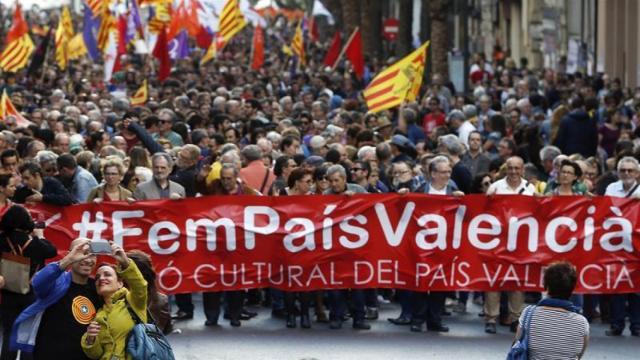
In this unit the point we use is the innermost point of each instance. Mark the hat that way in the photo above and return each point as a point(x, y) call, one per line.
point(383, 122)
point(317, 142)
point(455, 115)
point(314, 160)
point(402, 141)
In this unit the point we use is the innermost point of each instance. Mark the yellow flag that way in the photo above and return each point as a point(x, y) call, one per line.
point(64, 33)
point(297, 44)
point(141, 96)
point(397, 83)
point(211, 53)
point(19, 47)
point(231, 21)
point(286, 49)
point(77, 48)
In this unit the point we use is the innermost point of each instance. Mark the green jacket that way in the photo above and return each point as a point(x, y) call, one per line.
point(115, 320)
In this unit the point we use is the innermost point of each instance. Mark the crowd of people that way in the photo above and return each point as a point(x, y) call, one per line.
point(223, 129)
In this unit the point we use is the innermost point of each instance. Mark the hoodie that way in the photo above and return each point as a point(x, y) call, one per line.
point(578, 134)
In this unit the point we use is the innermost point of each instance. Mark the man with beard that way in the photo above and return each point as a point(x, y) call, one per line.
point(337, 177)
point(66, 302)
point(228, 184)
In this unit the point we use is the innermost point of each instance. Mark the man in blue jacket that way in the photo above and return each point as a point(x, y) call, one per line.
point(578, 132)
point(66, 302)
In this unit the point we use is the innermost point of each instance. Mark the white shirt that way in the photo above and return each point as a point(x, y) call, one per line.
point(616, 189)
point(433, 191)
point(464, 131)
point(501, 187)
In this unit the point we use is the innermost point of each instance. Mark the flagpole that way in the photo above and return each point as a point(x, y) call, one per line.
point(344, 49)
point(253, 43)
point(46, 53)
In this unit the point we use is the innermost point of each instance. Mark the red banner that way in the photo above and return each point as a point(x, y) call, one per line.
point(416, 242)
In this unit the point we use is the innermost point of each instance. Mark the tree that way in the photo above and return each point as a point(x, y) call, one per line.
point(371, 27)
point(404, 32)
point(335, 8)
point(438, 10)
point(350, 16)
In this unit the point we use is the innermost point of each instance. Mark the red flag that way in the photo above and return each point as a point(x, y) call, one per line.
point(122, 35)
point(204, 38)
point(258, 48)
point(19, 27)
point(314, 35)
point(161, 52)
point(193, 25)
point(178, 20)
point(334, 50)
point(353, 52)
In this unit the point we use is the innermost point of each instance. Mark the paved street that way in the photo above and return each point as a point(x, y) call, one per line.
point(267, 338)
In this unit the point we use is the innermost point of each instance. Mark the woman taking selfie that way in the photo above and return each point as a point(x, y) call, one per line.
point(106, 336)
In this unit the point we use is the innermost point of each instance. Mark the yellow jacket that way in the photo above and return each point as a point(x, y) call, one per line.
point(214, 174)
point(115, 320)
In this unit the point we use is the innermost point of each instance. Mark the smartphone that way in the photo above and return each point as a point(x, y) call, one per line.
point(100, 247)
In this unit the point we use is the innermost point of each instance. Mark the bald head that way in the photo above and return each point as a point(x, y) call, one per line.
point(77, 241)
point(515, 169)
point(515, 161)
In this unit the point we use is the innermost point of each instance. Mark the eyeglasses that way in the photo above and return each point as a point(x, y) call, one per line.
point(356, 169)
point(111, 174)
point(626, 171)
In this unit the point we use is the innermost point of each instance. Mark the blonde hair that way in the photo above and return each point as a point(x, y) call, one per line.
point(113, 161)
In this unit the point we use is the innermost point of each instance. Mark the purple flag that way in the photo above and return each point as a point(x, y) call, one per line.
point(179, 47)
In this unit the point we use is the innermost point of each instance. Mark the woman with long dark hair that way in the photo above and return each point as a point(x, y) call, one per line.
point(19, 237)
point(8, 184)
point(158, 306)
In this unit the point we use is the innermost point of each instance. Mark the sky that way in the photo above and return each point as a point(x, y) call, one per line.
point(43, 4)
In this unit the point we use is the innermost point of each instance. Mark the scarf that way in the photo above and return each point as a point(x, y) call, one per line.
point(559, 303)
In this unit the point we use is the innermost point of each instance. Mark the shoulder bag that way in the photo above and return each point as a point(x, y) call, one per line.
point(14, 267)
point(146, 341)
point(520, 349)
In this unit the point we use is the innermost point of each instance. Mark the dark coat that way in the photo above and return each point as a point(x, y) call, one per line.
point(578, 134)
